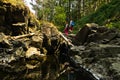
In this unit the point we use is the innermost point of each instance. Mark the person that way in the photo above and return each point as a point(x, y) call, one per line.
point(71, 25)
point(66, 29)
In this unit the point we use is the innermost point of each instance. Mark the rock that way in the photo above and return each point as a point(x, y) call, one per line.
point(27, 56)
point(37, 41)
point(32, 51)
point(115, 69)
point(82, 35)
point(94, 33)
point(101, 59)
point(101, 51)
point(4, 41)
point(16, 18)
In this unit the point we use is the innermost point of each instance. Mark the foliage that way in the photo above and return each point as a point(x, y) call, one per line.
point(59, 17)
point(58, 11)
point(114, 25)
point(101, 12)
point(104, 15)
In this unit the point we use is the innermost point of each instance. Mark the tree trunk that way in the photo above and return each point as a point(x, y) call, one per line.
point(69, 9)
point(79, 10)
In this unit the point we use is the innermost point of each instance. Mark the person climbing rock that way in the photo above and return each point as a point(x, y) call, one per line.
point(71, 25)
point(66, 29)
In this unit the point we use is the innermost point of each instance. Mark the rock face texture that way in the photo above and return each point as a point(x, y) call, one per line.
point(33, 50)
point(29, 49)
point(32, 56)
point(98, 51)
point(16, 18)
point(94, 33)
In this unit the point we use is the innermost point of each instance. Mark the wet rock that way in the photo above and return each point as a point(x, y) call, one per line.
point(30, 57)
point(32, 51)
point(100, 55)
point(100, 59)
point(76, 50)
point(115, 69)
point(37, 40)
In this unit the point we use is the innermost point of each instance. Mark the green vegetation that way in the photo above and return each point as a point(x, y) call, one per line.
point(102, 12)
point(108, 14)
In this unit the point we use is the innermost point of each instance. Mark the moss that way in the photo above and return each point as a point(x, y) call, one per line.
point(14, 12)
point(19, 3)
point(105, 14)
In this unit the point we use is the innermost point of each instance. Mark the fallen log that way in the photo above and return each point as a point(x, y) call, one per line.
point(68, 41)
point(18, 24)
point(22, 36)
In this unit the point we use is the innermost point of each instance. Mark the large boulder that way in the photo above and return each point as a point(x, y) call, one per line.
point(82, 36)
point(92, 32)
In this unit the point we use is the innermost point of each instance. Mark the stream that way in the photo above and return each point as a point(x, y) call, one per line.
point(74, 71)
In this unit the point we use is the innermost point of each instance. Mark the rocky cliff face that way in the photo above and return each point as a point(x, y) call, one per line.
point(32, 56)
point(16, 18)
point(29, 50)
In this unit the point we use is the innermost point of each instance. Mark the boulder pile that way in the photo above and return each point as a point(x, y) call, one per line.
point(98, 51)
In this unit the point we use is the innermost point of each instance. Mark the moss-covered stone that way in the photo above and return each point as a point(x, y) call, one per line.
point(13, 12)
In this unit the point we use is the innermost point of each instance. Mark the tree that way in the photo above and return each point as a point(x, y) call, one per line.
point(58, 11)
point(59, 16)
